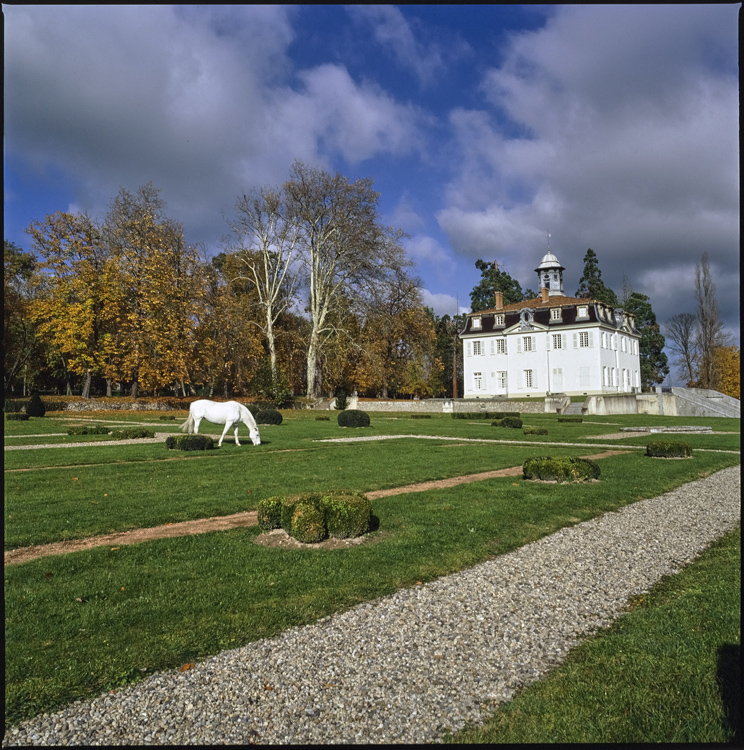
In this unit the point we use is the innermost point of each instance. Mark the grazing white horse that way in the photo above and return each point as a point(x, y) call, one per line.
point(230, 413)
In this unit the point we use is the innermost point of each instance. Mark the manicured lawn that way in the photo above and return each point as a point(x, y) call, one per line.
point(668, 671)
point(84, 622)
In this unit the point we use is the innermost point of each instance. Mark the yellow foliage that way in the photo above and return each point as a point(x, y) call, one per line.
point(726, 368)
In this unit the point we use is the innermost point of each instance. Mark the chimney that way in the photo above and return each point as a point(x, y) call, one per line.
point(499, 300)
point(545, 293)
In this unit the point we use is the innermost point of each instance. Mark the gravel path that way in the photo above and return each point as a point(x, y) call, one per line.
point(403, 668)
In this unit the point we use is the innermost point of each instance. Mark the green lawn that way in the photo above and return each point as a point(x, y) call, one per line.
point(80, 623)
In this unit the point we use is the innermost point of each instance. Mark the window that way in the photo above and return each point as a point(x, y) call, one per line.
point(604, 376)
point(557, 341)
point(604, 340)
point(477, 348)
point(583, 339)
point(555, 313)
point(499, 320)
point(501, 380)
point(527, 343)
point(582, 311)
point(500, 346)
point(476, 322)
point(528, 379)
point(622, 343)
point(477, 381)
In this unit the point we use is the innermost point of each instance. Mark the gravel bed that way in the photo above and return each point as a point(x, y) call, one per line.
point(405, 667)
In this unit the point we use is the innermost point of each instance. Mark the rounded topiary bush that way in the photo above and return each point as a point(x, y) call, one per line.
point(270, 513)
point(669, 449)
point(353, 418)
point(347, 514)
point(269, 416)
point(16, 416)
point(288, 504)
point(560, 469)
point(322, 419)
point(189, 442)
point(308, 523)
point(535, 431)
point(513, 422)
point(134, 433)
point(35, 406)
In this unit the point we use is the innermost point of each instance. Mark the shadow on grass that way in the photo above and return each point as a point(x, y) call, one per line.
point(729, 679)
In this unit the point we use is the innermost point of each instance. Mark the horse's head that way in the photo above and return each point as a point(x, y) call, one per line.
point(255, 437)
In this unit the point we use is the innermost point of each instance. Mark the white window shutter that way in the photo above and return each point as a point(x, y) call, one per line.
point(519, 344)
point(563, 340)
point(469, 349)
point(576, 341)
point(591, 339)
point(547, 343)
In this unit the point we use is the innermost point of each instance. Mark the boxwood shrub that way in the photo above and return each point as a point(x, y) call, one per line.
point(133, 433)
point(669, 449)
point(88, 430)
point(347, 514)
point(12, 405)
point(570, 419)
point(322, 419)
point(35, 406)
point(535, 431)
point(308, 523)
point(270, 513)
point(484, 414)
point(16, 416)
point(513, 422)
point(269, 416)
point(353, 418)
point(189, 442)
point(560, 469)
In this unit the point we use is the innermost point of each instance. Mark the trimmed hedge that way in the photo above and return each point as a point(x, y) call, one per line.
point(16, 416)
point(353, 418)
point(269, 416)
point(535, 431)
point(311, 517)
point(322, 419)
point(513, 422)
point(560, 469)
point(189, 442)
point(669, 449)
point(167, 417)
point(484, 414)
point(92, 430)
point(570, 419)
point(133, 433)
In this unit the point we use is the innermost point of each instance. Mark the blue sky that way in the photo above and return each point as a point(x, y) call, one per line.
point(483, 127)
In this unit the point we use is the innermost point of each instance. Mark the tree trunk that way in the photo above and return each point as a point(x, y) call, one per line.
point(108, 387)
point(86, 384)
point(312, 364)
point(133, 390)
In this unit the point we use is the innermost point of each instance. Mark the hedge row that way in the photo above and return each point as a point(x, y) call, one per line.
point(484, 414)
point(88, 430)
point(560, 469)
point(669, 449)
point(513, 422)
point(535, 431)
point(132, 433)
point(311, 517)
point(570, 419)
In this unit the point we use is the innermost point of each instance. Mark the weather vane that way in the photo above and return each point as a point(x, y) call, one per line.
point(548, 240)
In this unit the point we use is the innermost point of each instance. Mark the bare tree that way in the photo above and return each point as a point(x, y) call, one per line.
point(267, 240)
point(710, 332)
point(681, 337)
point(345, 249)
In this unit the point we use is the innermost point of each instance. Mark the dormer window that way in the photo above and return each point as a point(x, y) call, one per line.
point(499, 320)
point(477, 322)
point(555, 313)
point(582, 311)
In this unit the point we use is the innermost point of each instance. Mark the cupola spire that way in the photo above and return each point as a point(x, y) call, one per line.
point(550, 274)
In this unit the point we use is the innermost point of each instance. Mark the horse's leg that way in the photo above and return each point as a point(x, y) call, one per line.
point(197, 420)
point(224, 432)
point(237, 424)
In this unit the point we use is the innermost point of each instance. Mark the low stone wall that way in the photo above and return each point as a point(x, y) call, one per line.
point(604, 405)
point(93, 405)
point(447, 405)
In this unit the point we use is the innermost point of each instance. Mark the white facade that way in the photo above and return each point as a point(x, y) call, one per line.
point(551, 344)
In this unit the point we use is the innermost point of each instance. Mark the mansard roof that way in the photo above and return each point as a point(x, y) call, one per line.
point(537, 304)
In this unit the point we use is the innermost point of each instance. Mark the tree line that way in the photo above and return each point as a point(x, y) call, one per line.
point(310, 294)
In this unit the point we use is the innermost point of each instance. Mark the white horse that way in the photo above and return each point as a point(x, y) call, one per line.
point(230, 413)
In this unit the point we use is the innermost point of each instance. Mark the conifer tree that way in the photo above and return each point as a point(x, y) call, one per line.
point(591, 285)
point(494, 280)
point(654, 364)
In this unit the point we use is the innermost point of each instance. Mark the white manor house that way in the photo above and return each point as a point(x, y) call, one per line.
point(550, 345)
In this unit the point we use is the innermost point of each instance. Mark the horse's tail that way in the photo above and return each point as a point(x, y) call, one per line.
point(188, 425)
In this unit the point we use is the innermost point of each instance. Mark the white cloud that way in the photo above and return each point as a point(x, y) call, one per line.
point(443, 304)
point(615, 128)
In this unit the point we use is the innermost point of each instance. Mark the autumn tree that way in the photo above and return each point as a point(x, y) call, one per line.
point(727, 369)
point(21, 348)
point(449, 351)
point(681, 339)
point(266, 239)
point(710, 333)
point(654, 364)
point(345, 249)
point(73, 313)
point(160, 289)
point(591, 285)
point(494, 279)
